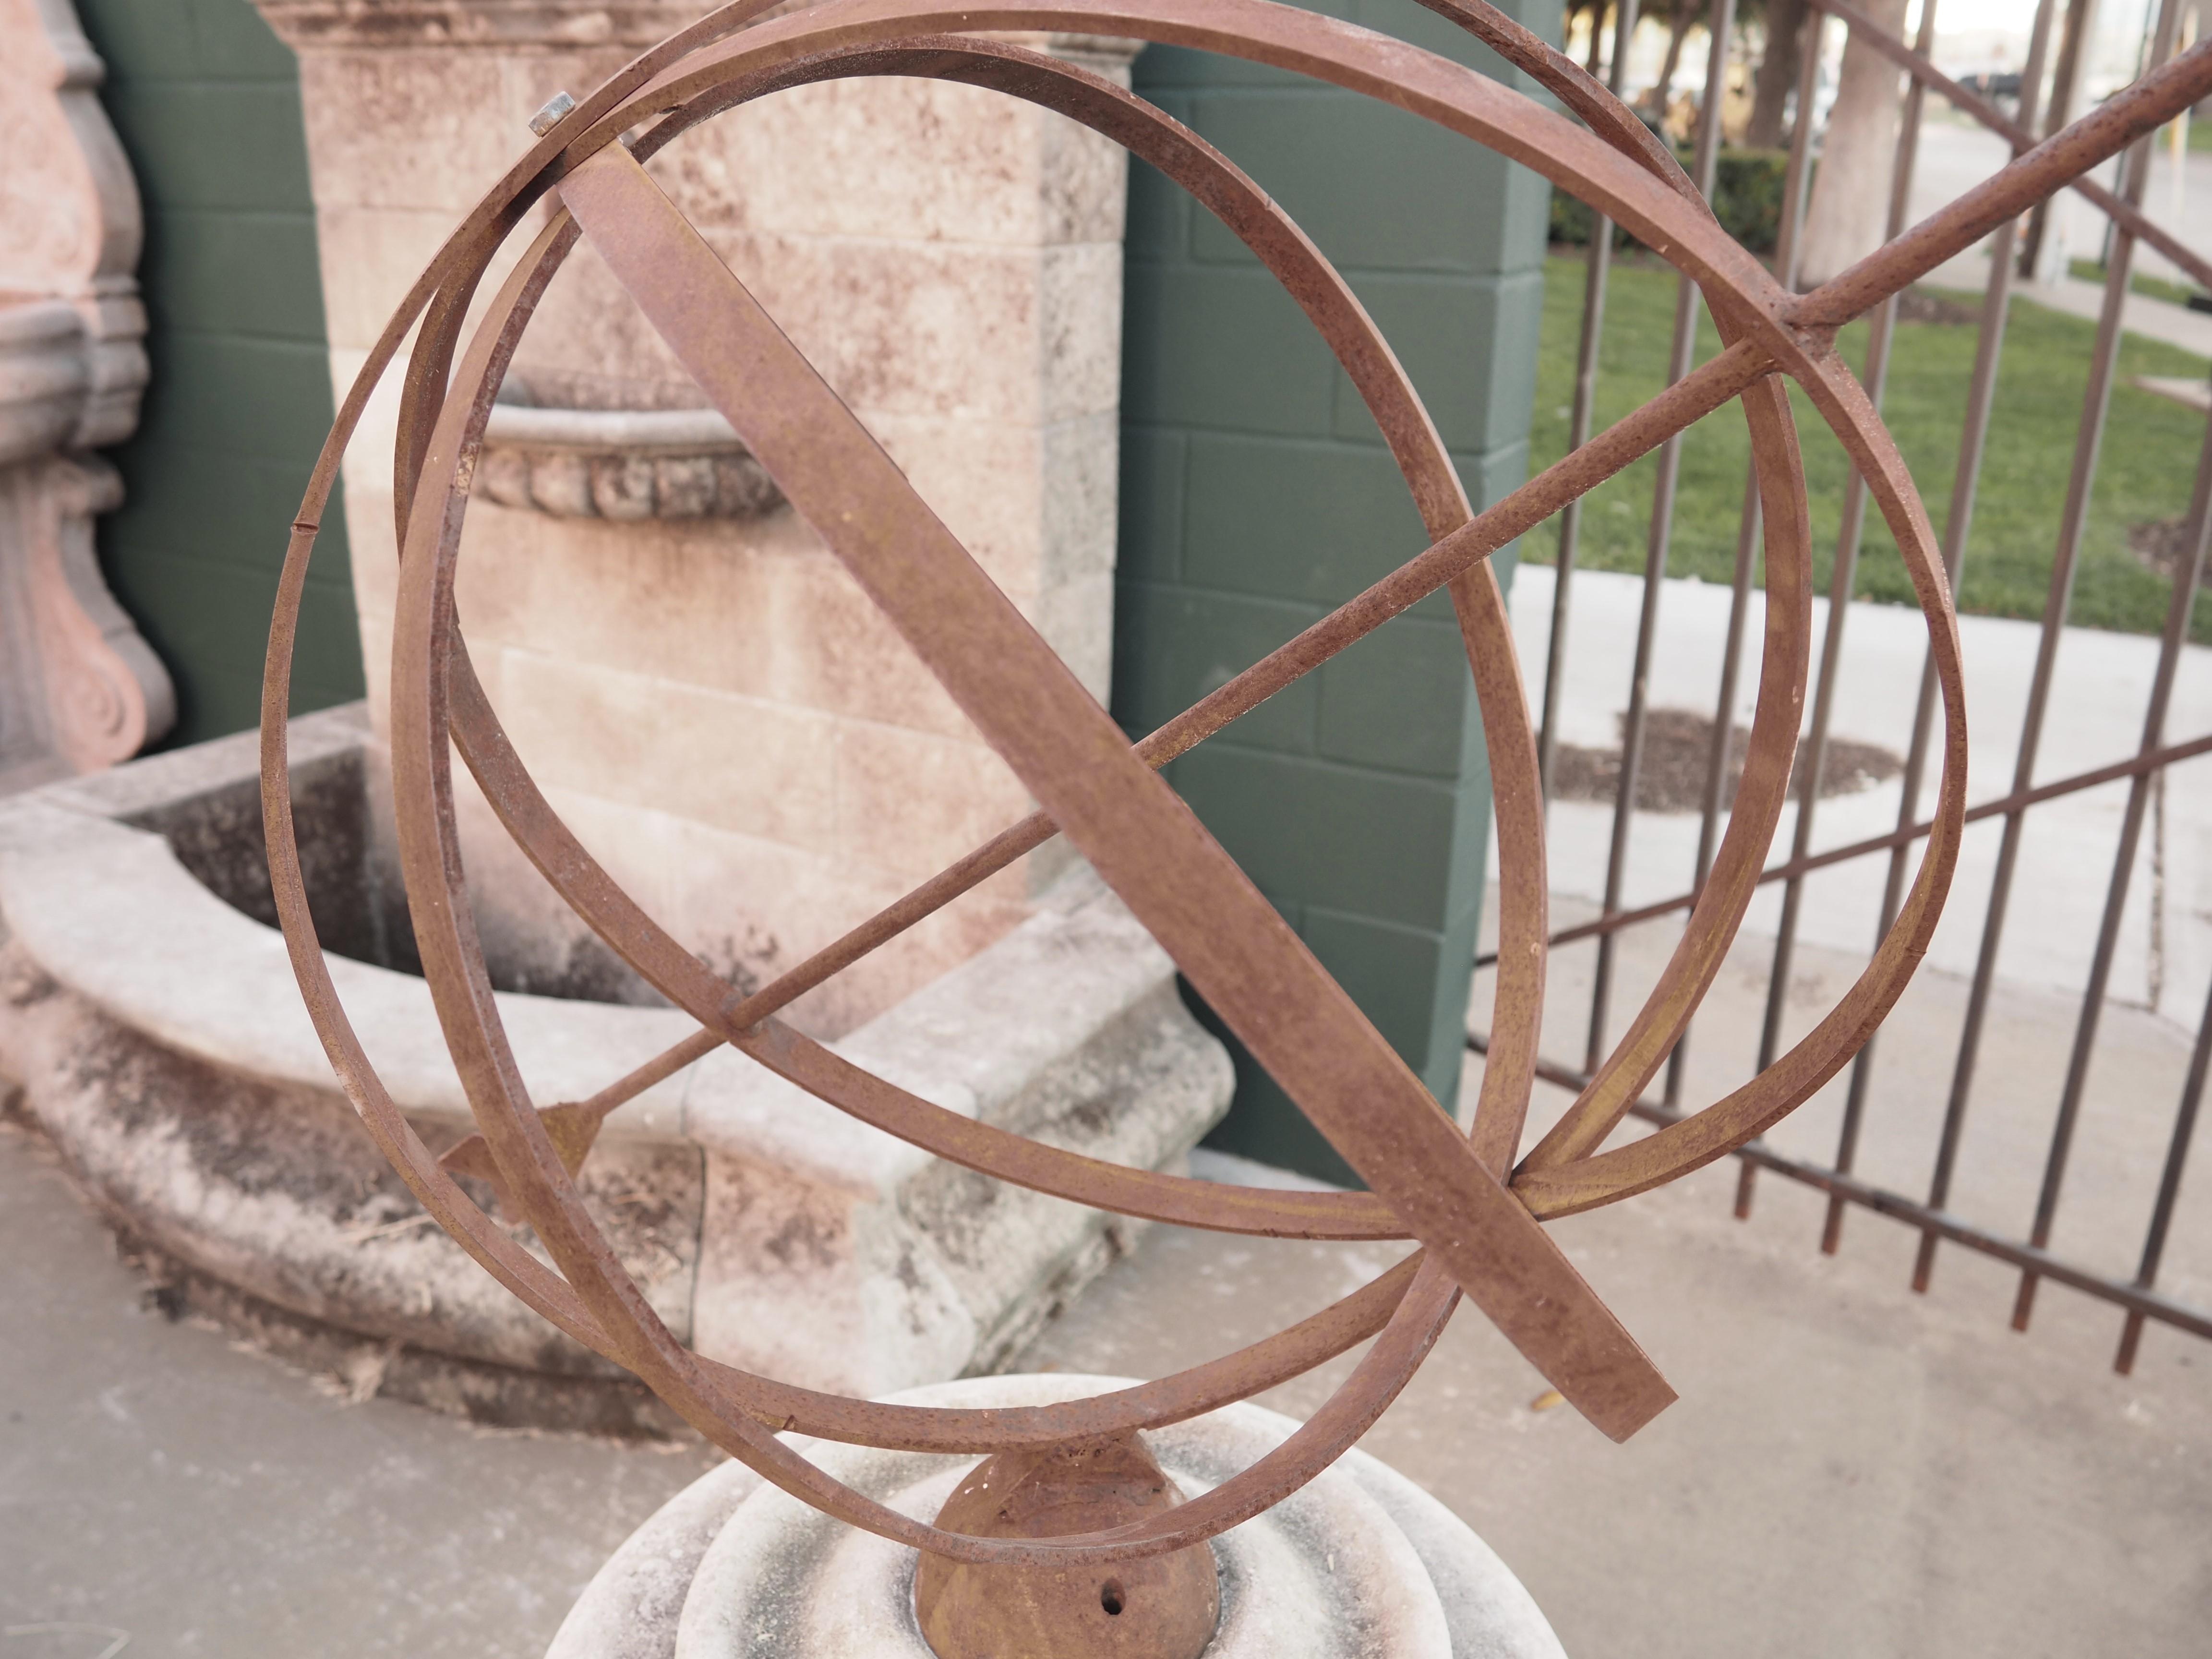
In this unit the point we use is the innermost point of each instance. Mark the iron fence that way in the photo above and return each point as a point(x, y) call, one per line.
point(1930, 1213)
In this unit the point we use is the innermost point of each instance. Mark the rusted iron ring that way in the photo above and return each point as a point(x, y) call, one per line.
point(1485, 1248)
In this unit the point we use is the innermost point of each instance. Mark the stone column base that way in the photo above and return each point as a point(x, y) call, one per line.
point(1361, 1564)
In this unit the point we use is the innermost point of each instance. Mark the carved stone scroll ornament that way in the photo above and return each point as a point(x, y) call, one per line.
point(79, 689)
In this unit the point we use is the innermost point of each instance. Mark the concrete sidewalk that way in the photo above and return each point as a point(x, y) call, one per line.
point(2103, 685)
point(2154, 319)
point(1952, 158)
point(2125, 1119)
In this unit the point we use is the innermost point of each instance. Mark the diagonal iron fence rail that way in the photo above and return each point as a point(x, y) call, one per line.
point(1928, 1213)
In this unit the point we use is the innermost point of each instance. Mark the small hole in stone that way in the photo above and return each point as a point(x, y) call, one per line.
point(1109, 1597)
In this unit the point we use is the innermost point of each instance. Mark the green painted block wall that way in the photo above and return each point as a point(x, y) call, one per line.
point(207, 102)
point(1256, 495)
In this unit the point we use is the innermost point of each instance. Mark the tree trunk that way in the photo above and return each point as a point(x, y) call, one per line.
point(1596, 9)
point(1850, 194)
point(1685, 12)
point(1777, 73)
point(2065, 92)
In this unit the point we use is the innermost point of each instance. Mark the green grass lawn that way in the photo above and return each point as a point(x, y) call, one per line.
point(2148, 465)
point(2151, 288)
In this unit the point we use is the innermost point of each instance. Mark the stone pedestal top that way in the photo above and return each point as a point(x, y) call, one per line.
point(1361, 1564)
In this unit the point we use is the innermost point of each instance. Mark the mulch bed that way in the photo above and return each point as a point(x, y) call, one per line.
point(2159, 543)
point(1917, 305)
point(1670, 773)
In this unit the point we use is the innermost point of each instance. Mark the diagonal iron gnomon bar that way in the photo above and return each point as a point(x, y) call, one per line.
point(1476, 1215)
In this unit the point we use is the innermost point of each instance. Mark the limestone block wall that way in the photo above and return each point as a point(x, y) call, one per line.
point(712, 703)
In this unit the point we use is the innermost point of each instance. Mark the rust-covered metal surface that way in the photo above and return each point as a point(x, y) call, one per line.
point(1867, 290)
point(1476, 1215)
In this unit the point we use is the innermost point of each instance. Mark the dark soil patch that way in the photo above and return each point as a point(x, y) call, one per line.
point(1917, 305)
point(2159, 543)
point(1670, 773)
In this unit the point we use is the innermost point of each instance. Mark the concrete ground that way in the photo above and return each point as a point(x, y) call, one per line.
point(1968, 277)
point(160, 1482)
point(2101, 688)
point(2126, 1116)
point(1851, 1470)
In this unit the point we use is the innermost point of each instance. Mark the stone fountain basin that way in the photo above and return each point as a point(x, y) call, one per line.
point(154, 1027)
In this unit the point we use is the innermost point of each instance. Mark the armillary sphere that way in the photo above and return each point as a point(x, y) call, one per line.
point(1476, 1215)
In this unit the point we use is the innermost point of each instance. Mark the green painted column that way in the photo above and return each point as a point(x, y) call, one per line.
point(1257, 494)
point(208, 105)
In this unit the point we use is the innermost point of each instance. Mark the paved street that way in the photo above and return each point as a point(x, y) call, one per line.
point(1954, 157)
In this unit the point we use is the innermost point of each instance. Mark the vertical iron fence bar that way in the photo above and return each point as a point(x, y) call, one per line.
point(2144, 66)
point(2096, 400)
point(2199, 541)
point(1997, 302)
point(2178, 613)
point(1880, 339)
point(1720, 18)
point(1843, 580)
point(1811, 33)
point(1851, 532)
point(1600, 266)
point(1739, 598)
point(1718, 752)
point(2066, 87)
point(1959, 523)
point(2169, 1182)
point(1717, 749)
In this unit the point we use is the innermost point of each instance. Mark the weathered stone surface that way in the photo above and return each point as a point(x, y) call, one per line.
point(157, 1034)
point(707, 697)
point(1360, 1564)
point(949, 258)
point(79, 689)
